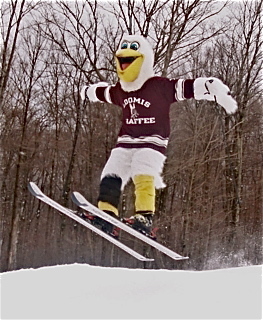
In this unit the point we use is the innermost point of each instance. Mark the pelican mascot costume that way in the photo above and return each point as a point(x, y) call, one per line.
point(145, 100)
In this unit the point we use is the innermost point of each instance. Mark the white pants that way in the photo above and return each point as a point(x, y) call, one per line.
point(127, 163)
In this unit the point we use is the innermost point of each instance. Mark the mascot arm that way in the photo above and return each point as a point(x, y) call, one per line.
point(213, 89)
point(90, 91)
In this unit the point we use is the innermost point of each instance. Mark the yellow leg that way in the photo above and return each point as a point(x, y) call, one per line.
point(105, 206)
point(144, 193)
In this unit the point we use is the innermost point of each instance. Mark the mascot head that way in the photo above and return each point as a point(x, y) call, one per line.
point(134, 62)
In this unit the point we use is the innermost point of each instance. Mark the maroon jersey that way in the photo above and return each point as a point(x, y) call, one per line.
point(145, 120)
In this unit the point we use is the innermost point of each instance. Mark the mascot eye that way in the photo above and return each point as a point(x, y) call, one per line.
point(124, 45)
point(134, 46)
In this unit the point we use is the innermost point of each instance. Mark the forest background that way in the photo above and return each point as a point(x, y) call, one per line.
point(211, 209)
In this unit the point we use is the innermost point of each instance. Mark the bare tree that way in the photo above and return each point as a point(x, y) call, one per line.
point(12, 14)
point(180, 29)
point(238, 56)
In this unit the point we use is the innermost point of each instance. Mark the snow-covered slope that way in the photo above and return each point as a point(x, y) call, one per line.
point(85, 292)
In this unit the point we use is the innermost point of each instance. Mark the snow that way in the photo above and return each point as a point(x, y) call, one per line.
point(81, 291)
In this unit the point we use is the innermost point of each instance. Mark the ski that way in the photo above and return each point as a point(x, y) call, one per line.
point(35, 191)
point(81, 202)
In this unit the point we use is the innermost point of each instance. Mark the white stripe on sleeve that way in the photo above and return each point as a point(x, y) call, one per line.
point(179, 90)
point(107, 94)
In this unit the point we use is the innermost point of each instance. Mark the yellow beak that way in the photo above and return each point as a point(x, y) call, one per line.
point(128, 63)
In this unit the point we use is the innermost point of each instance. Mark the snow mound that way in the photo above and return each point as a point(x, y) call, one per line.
point(87, 292)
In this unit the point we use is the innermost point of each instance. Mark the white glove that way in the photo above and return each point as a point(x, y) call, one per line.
point(213, 89)
point(90, 91)
point(83, 92)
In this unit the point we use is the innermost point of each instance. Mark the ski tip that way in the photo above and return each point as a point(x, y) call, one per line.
point(146, 259)
point(74, 198)
point(181, 258)
point(34, 190)
point(78, 198)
